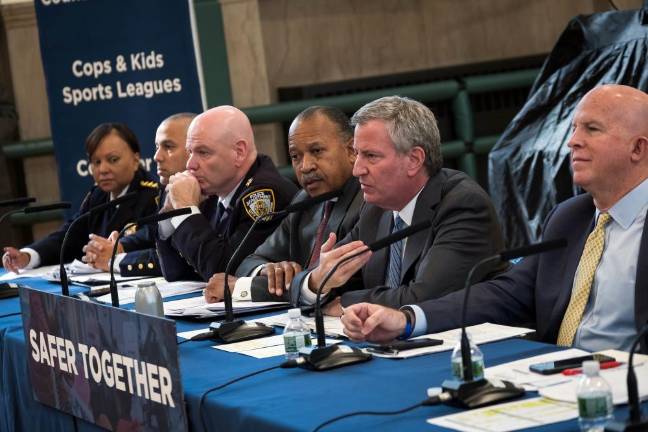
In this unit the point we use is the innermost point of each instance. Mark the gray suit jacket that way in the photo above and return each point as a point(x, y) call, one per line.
point(464, 230)
point(293, 240)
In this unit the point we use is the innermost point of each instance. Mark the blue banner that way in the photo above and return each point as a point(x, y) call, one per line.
point(113, 61)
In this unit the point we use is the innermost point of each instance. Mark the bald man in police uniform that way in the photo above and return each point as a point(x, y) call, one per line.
point(227, 185)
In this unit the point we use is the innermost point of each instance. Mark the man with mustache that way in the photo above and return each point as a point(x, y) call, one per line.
point(591, 294)
point(320, 144)
point(399, 166)
point(227, 185)
point(136, 255)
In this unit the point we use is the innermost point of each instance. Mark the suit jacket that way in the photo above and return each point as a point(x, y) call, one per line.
point(436, 260)
point(538, 289)
point(294, 239)
point(196, 250)
point(102, 224)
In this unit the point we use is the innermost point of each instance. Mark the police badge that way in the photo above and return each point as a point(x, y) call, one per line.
point(259, 203)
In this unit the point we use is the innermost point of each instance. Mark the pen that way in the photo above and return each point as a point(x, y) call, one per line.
point(604, 365)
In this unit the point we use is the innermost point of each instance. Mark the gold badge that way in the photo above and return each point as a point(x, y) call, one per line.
point(259, 203)
point(249, 182)
point(131, 229)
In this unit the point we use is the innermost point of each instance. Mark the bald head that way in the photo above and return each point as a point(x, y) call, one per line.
point(221, 149)
point(609, 144)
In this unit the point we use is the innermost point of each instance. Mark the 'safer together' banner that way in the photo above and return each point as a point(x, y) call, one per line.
point(114, 61)
point(112, 367)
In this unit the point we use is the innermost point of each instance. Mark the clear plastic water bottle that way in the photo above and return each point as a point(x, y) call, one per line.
point(477, 361)
point(594, 396)
point(296, 334)
point(148, 299)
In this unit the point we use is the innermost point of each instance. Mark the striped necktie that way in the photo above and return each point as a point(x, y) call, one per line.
point(395, 256)
point(583, 281)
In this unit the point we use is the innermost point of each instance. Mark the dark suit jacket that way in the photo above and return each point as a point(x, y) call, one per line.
point(197, 251)
point(293, 240)
point(538, 289)
point(436, 260)
point(102, 224)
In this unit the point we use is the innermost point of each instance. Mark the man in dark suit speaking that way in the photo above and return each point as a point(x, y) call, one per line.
point(320, 144)
point(591, 294)
point(398, 164)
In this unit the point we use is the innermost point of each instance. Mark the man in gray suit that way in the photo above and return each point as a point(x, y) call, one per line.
point(320, 144)
point(398, 164)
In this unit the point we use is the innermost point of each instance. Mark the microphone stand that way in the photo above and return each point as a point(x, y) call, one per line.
point(114, 295)
point(65, 290)
point(232, 330)
point(323, 357)
point(636, 422)
point(468, 392)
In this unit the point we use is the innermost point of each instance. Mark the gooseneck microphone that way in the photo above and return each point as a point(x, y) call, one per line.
point(636, 421)
point(469, 393)
point(231, 330)
point(33, 209)
point(146, 220)
point(323, 357)
point(15, 202)
point(65, 290)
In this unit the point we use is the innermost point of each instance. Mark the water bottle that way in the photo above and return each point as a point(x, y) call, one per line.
point(148, 299)
point(594, 399)
point(477, 361)
point(296, 334)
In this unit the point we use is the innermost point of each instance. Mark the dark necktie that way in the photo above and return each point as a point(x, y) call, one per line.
point(395, 256)
point(319, 235)
point(219, 221)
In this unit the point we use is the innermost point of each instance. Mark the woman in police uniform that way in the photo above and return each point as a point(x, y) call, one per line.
point(113, 151)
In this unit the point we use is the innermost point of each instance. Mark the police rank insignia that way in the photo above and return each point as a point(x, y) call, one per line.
point(259, 203)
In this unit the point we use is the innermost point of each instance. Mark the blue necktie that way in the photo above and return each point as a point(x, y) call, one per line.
point(395, 256)
point(219, 221)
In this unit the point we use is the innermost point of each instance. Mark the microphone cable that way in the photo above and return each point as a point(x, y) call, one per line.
point(432, 400)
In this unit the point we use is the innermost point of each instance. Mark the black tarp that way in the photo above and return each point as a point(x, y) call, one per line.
point(529, 170)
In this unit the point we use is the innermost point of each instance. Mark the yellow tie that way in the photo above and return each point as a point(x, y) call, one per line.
point(583, 283)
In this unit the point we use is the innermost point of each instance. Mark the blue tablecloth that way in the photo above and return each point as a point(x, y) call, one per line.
point(277, 400)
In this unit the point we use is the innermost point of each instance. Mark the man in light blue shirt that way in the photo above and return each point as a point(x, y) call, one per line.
point(609, 155)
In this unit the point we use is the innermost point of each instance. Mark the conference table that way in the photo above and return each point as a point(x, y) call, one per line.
point(275, 400)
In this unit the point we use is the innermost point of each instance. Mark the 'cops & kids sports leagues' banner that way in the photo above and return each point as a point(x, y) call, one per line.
point(114, 61)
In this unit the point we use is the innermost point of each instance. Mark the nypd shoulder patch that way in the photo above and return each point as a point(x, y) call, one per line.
point(259, 203)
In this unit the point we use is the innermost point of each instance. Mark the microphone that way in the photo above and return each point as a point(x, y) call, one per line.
point(470, 393)
point(17, 202)
point(36, 209)
point(231, 330)
point(636, 421)
point(114, 296)
point(65, 290)
point(323, 357)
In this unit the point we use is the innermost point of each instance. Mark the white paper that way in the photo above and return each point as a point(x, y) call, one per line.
point(197, 306)
point(481, 333)
point(518, 371)
point(127, 290)
point(33, 273)
point(332, 325)
point(616, 378)
point(509, 416)
point(270, 346)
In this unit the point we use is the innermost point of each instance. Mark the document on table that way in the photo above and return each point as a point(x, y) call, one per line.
point(481, 333)
point(509, 416)
point(270, 346)
point(332, 325)
point(127, 290)
point(198, 307)
point(518, 371)
point(33, 273)
point(616, 378)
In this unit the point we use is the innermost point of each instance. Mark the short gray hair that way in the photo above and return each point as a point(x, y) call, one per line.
point(409, 124)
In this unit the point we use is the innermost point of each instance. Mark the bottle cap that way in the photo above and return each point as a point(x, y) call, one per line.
point(294, 313)
point(590, 368)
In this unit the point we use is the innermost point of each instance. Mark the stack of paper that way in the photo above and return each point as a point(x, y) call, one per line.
point(198, 307)
point(127, 290)
point(332, 325)
point(34, 273)
point(270, 346)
